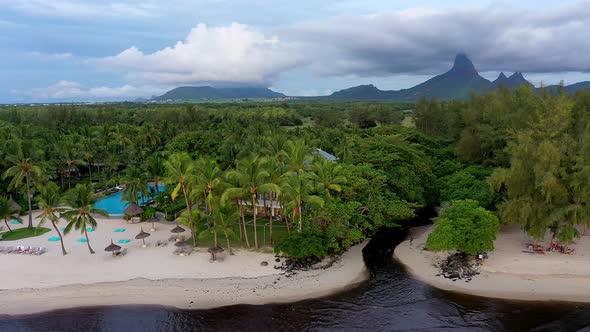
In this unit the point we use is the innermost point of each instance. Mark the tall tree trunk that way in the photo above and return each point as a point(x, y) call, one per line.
point(244, 226)
point(90, 171)
point(216, 243)
point(300, 219)
point(88, 241)
point(255, 228)
point(231, 252)
point(6, 222)
point(61, 239)
point(240, 221)
point(190, 215)
point(30, 226)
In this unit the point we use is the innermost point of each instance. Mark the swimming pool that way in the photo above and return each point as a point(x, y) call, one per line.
point(113, 204)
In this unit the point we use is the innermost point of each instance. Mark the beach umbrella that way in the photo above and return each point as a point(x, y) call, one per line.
point(177, 229)
point(14, 205)
point(112, 247)
point(141, 236)
point(182, 244)
point(152, 220)
point(133, 210)
point(215, 250)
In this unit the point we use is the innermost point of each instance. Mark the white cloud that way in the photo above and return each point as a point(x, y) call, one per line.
point(50, 56)
point(74, 91)
point(77, 9)
point(234, 54)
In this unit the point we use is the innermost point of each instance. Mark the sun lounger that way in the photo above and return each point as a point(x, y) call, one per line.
point(9, 250)
point(121, 252)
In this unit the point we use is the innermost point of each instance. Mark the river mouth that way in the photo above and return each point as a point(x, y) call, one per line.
point(389, 301)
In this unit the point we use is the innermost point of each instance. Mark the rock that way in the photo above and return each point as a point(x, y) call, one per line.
point(278, 260)
point(264, 263)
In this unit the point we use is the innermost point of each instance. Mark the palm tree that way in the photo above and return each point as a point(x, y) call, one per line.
point(49, 200)
point(23, 169)
point(135, 185)
point(254, 179)
point(237, 193)
point(296, 190)
point(70, 157)
point(298, 154)
point(180, 170)
point(7, 212)
point(80, 212)
point(208, 178)
point(155, 169)
point(224, 215)
point(327, 176)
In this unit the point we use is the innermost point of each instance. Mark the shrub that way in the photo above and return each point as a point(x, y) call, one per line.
point(303, 245)
point(464, 226)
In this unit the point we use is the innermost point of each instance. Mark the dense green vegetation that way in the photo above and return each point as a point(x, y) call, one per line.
point(534, 150)
point(23, 233)
point(530, 149)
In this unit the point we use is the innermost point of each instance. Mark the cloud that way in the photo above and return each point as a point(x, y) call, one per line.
point(51, 56)
point(227, 55)
point(77, 9)
point(425, 40)
point(74, 91)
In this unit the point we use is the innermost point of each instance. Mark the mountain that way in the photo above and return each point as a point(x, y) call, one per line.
point(211, 93)
point(514, 81)
point(458, 82)
point(568, 88)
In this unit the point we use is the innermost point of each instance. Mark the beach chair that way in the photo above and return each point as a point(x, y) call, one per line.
point(2, 250)
point(9, 250)
point(39, 251)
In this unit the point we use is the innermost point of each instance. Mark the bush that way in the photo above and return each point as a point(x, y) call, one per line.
point(148, 212)
point(466, 227)
point(303, 245)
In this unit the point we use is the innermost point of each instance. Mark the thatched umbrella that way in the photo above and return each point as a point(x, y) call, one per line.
point(152, 220)
point(14, 205)
point(141, 236)
point(133, 210)
point(182, 244)
point(112, 247)
point(215, 250)
point(177, 230)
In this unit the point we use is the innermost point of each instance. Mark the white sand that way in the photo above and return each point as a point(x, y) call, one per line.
point(509, 273)
point(153, 275)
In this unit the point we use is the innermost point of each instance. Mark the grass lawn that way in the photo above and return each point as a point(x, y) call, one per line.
point(279, 232)
point(23, 233)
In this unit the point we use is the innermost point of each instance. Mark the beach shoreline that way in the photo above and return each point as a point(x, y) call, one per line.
point(193, 293)
point(509, 274)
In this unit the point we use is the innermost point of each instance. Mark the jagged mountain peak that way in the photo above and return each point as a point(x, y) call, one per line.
point(501, 77)
point(463, 65)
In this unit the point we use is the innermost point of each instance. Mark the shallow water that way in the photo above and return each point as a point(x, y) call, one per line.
point(389, 301)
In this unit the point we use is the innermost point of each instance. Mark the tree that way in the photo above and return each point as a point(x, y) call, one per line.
point(135, 185)
point(155, 169)
point(464, 226)
point(49, 200)
point(327, 175)
point(296, 190)
point(7, 212)
point(253, 179)
point(80, 211)
point(25, 170)
point(224, 214)
point(180, 171)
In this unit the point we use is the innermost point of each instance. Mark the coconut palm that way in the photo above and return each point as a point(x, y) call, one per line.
point(7, 212)
point(253, 178)
point(327, 176)
point(298, 155)
point(224, 215)
point(24, 171)
point(237, 192)
point(208, 179)
point(296, 190)
point(49, 200)
point(80, 212)
point(135, 185)
point(180, 171)
point(155, 169)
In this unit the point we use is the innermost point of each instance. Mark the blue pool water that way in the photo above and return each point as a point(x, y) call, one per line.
point(113, 204)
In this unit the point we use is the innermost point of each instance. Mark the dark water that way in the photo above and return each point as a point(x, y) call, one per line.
point(389, 301)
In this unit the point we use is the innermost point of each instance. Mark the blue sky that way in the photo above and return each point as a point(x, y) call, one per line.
point(71, 50)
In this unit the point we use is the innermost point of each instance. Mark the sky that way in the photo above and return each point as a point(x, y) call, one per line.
point(103, 50)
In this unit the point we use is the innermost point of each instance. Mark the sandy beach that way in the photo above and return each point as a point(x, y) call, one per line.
point(153, 275)
point(509, 273)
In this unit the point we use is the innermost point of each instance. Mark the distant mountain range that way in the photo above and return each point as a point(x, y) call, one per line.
point(211, 93)
point(458, 83)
